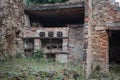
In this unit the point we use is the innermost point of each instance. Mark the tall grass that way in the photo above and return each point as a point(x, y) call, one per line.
point(30, 68)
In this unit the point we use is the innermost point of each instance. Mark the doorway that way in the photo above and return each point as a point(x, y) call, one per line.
point(114, 49)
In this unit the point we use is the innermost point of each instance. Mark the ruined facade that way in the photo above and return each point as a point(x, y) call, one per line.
point(60, 35)
point(102, 21)
point(82, 31)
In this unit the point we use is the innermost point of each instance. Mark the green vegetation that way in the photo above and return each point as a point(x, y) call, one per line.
point(38, 67)
point(32, 68)
point(102, 76)
point(114, 74)
point(38, 54)
point(44, 1)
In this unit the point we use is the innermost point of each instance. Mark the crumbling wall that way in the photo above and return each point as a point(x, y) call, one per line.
point(11, 24)
point(100, 17)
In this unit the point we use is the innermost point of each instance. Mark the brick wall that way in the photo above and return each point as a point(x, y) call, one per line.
point(100, 17)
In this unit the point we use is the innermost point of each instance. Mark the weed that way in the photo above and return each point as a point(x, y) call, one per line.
point(27, 68)
point(38, 54)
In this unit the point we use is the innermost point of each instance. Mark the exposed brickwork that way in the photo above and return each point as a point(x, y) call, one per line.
point(103, 53)
point(100, 50)
point(101, 17)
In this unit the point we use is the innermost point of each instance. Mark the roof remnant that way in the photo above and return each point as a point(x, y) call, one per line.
point(61, 11)
point(54, 6)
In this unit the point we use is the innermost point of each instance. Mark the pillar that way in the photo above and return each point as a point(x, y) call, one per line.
point(37, 44)
point(65, 45)
point(63, 57)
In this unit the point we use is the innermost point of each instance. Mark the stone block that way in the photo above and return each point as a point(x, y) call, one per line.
point(100, 28)
point(62, 58)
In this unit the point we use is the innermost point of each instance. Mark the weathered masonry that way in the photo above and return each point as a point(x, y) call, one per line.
point(57, 29)
point(102, 22)
point(82, 31)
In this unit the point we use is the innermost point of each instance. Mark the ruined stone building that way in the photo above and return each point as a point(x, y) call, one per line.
point(57, 29)
point(84, 31)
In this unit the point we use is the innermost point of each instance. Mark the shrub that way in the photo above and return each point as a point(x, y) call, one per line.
point(38, 54)
point(19, 54)
point(6, 57)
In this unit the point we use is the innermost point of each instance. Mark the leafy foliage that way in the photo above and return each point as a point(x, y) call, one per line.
point(44, 1)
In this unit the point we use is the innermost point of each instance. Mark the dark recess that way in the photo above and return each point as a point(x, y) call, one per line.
point(114, 47)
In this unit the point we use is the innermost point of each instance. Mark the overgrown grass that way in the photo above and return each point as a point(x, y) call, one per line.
point(38, 68)
point(114, 74)
point(41, 68)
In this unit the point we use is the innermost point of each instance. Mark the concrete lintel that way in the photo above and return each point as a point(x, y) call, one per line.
point(54, 6)
point(113, 24)
point(100, 28)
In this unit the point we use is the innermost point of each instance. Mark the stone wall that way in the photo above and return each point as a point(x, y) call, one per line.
point(11, 24)
point(76, 44)
point(100, 16)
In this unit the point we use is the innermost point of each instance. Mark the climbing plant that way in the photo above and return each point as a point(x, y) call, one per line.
point(44, 1)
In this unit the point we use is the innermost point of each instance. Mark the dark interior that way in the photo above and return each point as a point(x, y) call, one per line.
point(114, 47)
point(57, 18)
point(52, 43)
